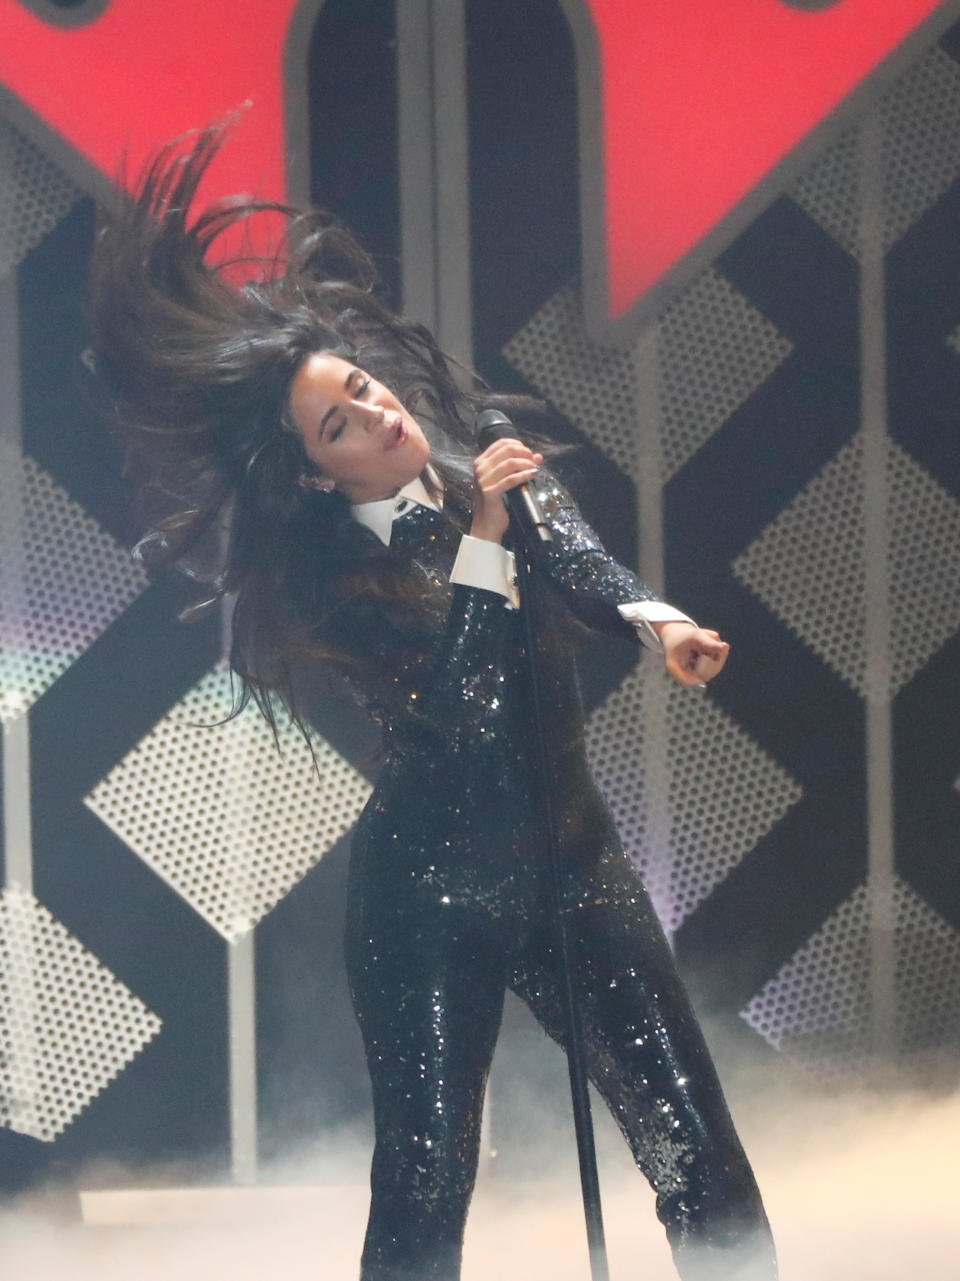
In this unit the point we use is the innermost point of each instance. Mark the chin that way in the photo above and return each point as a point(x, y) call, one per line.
point(419, 456)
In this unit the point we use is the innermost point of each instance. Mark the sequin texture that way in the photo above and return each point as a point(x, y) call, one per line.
point(448, 906)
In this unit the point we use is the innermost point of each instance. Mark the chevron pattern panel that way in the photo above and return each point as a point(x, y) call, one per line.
point(742, 403)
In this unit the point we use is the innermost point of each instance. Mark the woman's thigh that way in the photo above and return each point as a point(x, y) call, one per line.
point(427, 979)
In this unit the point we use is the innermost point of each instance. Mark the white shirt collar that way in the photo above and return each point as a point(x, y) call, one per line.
point(379, 516)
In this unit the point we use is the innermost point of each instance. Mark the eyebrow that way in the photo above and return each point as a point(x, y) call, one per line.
point(333, 408)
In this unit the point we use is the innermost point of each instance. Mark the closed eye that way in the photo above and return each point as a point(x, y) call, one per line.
point(357, 392)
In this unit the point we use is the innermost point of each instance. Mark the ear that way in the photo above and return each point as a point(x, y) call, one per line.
point(322, 484)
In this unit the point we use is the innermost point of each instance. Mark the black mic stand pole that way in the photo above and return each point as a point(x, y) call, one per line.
point(583, 1123)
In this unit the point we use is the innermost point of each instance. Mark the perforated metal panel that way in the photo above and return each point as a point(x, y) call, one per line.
point(927, 975)
point(220, 814)
point(689, 814)
point(713, 349)
point(34, 196)
point(67, 1025)
point(62, 582)
point(809, 565)
point(686, 815)
point(817, 1008)
point(921, 156)
point(921, 120)
point(828, 191)
point(592, 385)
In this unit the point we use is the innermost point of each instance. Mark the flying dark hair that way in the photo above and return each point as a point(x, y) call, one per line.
point(198, 370)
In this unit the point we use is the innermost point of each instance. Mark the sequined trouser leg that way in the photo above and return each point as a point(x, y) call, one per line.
point(428, 971)
point(647, 1057)
point(429, 999)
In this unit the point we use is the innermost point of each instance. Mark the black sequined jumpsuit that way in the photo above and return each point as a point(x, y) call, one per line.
point(448, 906)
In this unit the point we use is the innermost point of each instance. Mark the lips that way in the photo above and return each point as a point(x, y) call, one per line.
point(396, 433)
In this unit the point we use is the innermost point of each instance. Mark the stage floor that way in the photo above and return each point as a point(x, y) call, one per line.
point(858, 1189)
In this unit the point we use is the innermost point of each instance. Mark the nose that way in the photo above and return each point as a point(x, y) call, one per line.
point(370, 416)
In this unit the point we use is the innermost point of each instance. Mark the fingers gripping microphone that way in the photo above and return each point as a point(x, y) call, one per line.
point(521, 501)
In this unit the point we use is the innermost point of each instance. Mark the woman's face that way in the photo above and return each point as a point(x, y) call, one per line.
point(356, 431)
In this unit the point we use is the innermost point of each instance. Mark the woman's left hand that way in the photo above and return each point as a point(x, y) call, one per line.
point(692, 655)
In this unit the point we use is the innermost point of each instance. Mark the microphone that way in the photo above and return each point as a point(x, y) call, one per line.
point(521, 500)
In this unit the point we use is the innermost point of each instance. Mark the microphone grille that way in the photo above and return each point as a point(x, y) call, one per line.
point(492, 425)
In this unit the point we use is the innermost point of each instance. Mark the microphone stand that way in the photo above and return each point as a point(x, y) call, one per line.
point(582, 1120)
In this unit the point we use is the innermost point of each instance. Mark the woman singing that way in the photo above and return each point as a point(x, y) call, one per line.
point(286, 422)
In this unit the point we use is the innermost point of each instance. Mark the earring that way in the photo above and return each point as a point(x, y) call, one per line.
point(316, 483)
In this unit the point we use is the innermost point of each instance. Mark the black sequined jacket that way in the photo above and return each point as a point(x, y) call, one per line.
point(448, 681)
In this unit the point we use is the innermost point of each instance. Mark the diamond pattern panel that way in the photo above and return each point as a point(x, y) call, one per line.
point(62, 582)
point(67, 1025)
point(691, 792)
point(223, 817)
point(921, 146)
point(809, 565)
point(34, 196)
point(713, 349)
point(817, 1007)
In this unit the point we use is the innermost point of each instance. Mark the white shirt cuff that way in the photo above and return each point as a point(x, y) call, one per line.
point(481, 563)
point(641, 613)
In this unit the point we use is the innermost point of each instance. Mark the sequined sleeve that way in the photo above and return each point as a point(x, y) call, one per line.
point(592, 581)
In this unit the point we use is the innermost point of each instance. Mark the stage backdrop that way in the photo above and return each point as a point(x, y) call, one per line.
point(773, 444)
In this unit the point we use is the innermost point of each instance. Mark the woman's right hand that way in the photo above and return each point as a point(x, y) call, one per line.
point(501, 467)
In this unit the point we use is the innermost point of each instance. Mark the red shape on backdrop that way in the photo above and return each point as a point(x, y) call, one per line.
point(138, 74)
point(701, 101)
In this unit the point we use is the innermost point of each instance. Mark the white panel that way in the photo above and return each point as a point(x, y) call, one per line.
point(592, 385)
point(713, 349)
point(34, 196)
point(719, 795)
point(230, 822)
point(817, 1007)
point(809, 566)
point(67, 1025)
point(62, 582)
point(687, 815)
point(921, 156)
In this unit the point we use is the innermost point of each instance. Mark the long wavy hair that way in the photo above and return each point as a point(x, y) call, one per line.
point(198, 369)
